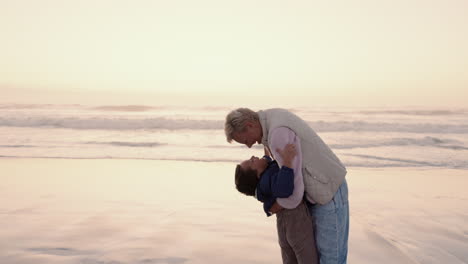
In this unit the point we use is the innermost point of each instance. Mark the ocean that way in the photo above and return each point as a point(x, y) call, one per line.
point(361, 137)
point(154, 184)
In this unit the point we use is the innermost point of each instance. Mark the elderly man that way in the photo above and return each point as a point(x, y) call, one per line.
point(320, 173)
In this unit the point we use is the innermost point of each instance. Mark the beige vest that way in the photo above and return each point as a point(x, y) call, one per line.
point(323, 172)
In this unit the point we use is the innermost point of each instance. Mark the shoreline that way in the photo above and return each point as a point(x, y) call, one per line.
point(349, 168)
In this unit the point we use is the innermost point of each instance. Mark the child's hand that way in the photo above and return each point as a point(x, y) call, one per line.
point(288, 154)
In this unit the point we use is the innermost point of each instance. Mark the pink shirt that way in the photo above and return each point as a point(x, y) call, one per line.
point(279, 138)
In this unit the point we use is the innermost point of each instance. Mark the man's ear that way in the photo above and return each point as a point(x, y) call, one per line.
point(248, 125)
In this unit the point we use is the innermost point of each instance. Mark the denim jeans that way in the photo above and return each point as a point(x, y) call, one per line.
point(331, 226)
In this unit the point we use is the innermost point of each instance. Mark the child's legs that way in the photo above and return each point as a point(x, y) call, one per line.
point(306, 254)
point(297, 235)
point(288, 256)
point(287, 253)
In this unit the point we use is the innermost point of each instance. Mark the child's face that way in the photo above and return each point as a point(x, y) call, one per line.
point(254, 163)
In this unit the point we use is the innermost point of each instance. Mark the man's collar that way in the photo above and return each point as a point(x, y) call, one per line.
point(262, 119)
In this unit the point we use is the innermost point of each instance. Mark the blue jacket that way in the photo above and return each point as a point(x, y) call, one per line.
point(274, 183)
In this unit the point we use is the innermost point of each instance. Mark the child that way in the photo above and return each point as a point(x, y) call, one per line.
point(264, 179)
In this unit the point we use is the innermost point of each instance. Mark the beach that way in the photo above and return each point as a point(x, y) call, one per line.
point(151, 211)
point(115, 128)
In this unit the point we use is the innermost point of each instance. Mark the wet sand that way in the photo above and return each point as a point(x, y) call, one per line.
point(143, 211)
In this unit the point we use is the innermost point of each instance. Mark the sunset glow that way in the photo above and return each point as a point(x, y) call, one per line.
point(358, 52)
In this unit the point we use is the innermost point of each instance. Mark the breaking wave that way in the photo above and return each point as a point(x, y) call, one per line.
point(118, 123)
point(415, 112)
point(110, 123)
point(424, 142)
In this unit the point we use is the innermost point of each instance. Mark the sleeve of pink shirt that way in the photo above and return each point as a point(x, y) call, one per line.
point(278, 139)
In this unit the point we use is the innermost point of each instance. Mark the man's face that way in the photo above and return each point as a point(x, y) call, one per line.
point(254, 163)
point(249, 136)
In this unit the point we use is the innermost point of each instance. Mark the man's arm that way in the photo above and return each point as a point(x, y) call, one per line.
point(279, 138)
point(282, 182)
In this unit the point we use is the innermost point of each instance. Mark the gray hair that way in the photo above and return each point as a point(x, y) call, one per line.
point(236, 119)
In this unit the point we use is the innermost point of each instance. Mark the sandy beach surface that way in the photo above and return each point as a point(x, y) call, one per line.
point(144, 211)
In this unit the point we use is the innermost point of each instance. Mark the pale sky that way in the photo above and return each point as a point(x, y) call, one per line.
point(369, 52)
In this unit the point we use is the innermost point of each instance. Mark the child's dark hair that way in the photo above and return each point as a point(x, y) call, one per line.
point(246, 181)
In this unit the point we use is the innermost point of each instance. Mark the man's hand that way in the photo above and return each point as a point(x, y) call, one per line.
point(275, 208)
point(288, 154)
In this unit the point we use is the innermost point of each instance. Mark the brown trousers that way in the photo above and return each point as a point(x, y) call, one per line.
point(296, 236)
